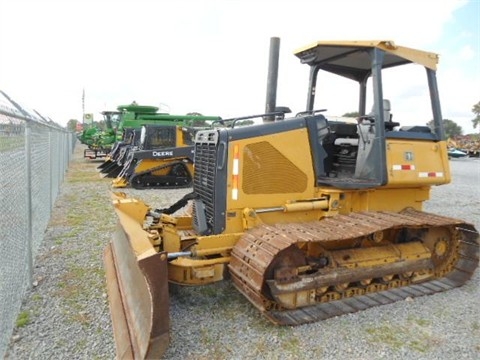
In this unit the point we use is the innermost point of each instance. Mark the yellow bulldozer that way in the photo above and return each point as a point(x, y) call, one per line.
point(309, 217)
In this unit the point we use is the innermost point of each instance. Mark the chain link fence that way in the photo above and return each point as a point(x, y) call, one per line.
point(34, 156)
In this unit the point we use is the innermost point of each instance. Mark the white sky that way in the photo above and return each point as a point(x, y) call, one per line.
point(211, 56)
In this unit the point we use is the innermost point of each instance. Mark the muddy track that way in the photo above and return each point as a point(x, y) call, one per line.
point(257, 250)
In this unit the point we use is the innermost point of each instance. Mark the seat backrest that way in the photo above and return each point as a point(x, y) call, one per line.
point(386, 110)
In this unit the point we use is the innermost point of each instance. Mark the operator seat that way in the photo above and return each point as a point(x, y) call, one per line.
point(387, 116)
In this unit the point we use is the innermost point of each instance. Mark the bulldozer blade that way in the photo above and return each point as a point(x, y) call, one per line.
point(137, 286)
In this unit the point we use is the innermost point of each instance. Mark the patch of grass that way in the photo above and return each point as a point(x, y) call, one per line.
point(82, 172)
point(80, 345)
point(74, 219)
point(442, 312)
point(261, 346)
point(82, 318)
point(73, 233)
point(106, 227)
point(208, 290)
point(206, 338)
point(23, 318)
point(260, 323)
point(96, 202)
point(77, 285)
point(415, 335)
point(36, 297)
point(291, 344)
point(86, 177)
point(283, 337)
point(212, 344)
point(386, 335)
point(419, 322)
point(475, 325)
point(60, 343)
point(71, 254)
point(72, 197)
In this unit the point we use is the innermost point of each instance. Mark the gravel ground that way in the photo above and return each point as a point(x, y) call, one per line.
point(67, 312)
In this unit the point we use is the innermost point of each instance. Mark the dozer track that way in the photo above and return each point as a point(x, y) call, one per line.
point(179, 177)
point(306, 272)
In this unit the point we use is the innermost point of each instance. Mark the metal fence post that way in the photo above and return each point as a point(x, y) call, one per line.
point(50, 166)
point(28, 169)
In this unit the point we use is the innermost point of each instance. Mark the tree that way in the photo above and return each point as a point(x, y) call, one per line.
point(353, 114)
point(197, 122)
point(450, 126)
point(244, 122)
point(72, 124)
point(476, 111)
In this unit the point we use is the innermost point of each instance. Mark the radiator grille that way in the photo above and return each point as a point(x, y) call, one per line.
point(267, 171)
point(204, 176)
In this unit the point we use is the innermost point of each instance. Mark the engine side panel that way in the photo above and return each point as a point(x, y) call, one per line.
point(417, 163)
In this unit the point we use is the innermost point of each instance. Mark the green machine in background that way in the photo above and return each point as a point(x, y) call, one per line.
point(121, 125)
point(133, 117)
point(100, 141)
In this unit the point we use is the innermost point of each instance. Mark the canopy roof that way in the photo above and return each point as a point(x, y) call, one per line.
point(350, 58)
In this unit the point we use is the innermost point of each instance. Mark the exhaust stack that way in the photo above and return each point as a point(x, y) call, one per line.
point(272, 79)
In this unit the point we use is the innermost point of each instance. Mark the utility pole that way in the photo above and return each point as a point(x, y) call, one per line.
point(83, 106)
